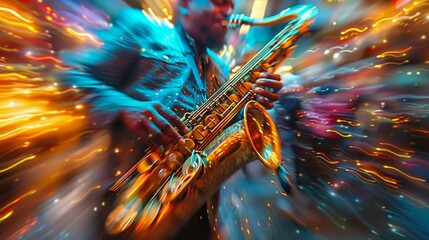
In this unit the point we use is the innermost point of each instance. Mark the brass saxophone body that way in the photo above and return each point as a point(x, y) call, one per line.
point(169, 188)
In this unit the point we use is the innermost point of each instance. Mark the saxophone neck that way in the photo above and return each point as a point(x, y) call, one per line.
point(305, 12)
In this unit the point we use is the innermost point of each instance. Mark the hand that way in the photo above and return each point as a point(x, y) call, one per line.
point(266, 86)
point(155, 123)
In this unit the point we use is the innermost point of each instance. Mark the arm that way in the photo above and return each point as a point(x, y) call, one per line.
point(100, 73)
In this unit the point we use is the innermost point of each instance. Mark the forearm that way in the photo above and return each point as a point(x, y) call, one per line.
point(103, 101)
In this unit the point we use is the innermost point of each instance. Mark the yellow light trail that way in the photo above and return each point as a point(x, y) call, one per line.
point(44, 58)
point(40, 133)
point(389, 151)
point(401, 149)
point(342, 135)
point(386, 179)
point(23, 25)
point(385, 19)
point(18, 163)
point(278, 188)
point(15, 14)
point(6, 216)
point(9, 49)
point(18, 199)
point(86, 194)
point(354, 29)
point(391, 55)
point(360, 176)
point(414, 178)
point(14, 119)
point(8, 76)
point(326, 158)
point(394, 52)
point(349, 122)
point(390, 63)
point(370, 154)
point(16, 131)
point(82, 36)
point(88, 155)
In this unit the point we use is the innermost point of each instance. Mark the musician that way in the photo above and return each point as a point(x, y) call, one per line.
point(148, 74)
point(144, 73)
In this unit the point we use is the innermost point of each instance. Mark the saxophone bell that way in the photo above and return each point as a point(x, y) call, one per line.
point(168, 188)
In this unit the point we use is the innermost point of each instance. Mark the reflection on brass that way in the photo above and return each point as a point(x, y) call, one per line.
point(180, 180)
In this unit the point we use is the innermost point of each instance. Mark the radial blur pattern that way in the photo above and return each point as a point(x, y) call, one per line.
point(354, 124)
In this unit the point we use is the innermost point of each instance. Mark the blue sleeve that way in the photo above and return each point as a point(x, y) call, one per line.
point(99, 73)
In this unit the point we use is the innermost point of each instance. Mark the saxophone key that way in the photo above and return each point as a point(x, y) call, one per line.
point(253, 77)
point(187, 147)
point(149, 214)
point(175, 160)
point(147, 162)
point(135, 187)
point(169, 191)
point(178, 185)
point(211, 120)
point(186, 116)
point(200, 132)
point(244, 88)
point(233, 98)
point(123, 215)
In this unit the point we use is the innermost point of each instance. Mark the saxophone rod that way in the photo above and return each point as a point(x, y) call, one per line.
point(237, 19)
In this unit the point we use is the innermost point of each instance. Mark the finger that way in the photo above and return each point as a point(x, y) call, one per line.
point(133, 122)
point(172, 118)
point(153, 133)
point(267, 104)
point(167, 129)
point(274, 84)
point(269, 75)
point(267, 94)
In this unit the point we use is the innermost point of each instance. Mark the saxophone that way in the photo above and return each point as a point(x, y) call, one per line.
point(170, 187)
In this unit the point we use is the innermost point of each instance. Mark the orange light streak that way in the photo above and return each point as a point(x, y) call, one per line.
point(389, 151)
point(86, 194)
point(360, 176)
point(88, 155)
point(370, 154)
point(385, 19)
point(391, 55)
point(23, 25)
point(394, 52)
point(354, 29)
point(6, 216)
point(384, 178)
point(401, 149)
point(9, 49)
point(390, 63)
point(342, 135)
point(278, 188)
point(82, 36)
point(18, 163)
point(12, 76)
point(409, 176)
point(44, 58)
point(15, 14)
point(349, 122)
point(326, 158)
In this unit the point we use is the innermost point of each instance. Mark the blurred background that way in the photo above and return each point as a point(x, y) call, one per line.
point(353, 123)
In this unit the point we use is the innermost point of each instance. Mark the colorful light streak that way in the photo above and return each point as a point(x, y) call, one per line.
point(400, 127)
point(18, 163)
point(405, 174)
